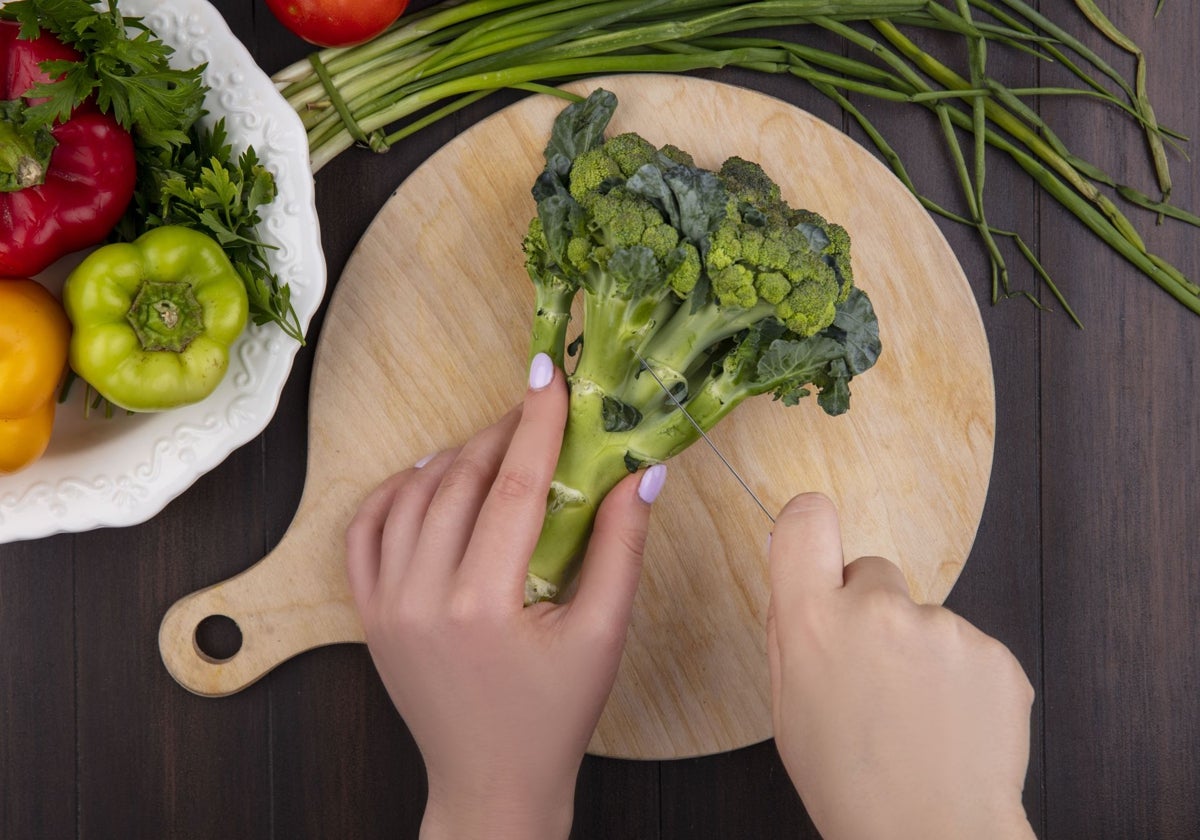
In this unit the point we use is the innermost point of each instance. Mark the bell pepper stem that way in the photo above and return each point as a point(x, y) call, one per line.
point(166, 316)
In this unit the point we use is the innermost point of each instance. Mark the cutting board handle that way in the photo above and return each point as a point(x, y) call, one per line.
point(280, 607)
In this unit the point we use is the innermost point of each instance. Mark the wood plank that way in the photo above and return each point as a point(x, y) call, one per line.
point(617, 798)
point(154, 760)
point(1121, 456)
point(37, 689)
point(743, 793)
point(343, 762)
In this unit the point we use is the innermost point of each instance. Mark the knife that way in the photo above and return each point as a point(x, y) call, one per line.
point(671, 395)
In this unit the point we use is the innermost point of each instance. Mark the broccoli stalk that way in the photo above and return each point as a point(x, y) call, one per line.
point(708, 278)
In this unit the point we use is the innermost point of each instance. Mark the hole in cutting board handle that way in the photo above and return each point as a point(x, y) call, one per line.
point(217, 639)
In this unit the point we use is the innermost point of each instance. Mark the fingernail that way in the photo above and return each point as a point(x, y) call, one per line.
point(652, 483)
point(768, 542)
point(541, 371)
point(425, 460)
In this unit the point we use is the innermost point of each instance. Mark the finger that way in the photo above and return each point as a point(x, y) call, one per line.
point(875, 573)
point(774, 666)
point(806, 549)
point(363, 538)
point(406, 517)
point(612, 566)
point(512, 514)
point(454, 508)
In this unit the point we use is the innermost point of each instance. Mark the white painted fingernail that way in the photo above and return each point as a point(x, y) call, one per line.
point(541, 371)
point(425, 460)
point(652, 483)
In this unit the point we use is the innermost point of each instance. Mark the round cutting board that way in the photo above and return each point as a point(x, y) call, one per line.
point(425, 341)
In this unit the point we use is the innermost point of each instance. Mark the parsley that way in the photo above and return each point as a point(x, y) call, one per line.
point(187, 175)
point(124, 66)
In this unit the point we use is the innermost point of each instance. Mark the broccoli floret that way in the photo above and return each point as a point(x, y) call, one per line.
point(621, 219)
point(765, 252)
point(630, 152)
point(831, 242)
point(674, 154)
point(709, 279)
point(591, 172)
point(810, 306)
point(748, 182)
point(683, 269)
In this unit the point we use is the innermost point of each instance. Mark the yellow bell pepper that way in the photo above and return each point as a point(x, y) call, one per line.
point(34, 336)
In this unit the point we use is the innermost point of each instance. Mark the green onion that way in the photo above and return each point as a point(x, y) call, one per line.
point(436, 61)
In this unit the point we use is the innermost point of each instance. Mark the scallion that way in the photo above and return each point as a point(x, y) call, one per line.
point(440, 59)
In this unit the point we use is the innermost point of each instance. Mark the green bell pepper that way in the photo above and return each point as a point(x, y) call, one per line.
point(154, 318)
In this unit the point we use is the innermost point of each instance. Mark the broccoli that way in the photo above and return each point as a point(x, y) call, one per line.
point(707, 278)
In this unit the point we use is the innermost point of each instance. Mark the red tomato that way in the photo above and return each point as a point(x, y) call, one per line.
point(337, 23)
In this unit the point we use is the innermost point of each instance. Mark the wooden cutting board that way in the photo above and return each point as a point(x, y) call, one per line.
point(425, 341)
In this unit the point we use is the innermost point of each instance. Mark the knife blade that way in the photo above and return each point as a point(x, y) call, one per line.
point(671, 396)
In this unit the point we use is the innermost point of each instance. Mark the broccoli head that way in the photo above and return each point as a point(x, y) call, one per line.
point(707, 278)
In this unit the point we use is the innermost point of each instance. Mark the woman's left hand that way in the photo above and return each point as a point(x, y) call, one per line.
point(501, 699)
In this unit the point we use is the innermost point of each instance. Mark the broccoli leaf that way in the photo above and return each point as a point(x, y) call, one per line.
point(701, 200)
point(649, 184)
point(547, 184)
point(835, 388)
point(579, 127)
point(636, 270)
point(691, 199)
point(856, 326)
point(787, 366)
point(559, 214)
point(818, 240)
point(828, 360)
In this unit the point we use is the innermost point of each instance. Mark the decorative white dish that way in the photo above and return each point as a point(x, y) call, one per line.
point(120, 471)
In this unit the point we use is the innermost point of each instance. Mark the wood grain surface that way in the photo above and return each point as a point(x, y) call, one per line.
point(399, 374)
point(1084, 564)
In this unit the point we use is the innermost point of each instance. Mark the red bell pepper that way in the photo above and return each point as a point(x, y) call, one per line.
point(62, 188)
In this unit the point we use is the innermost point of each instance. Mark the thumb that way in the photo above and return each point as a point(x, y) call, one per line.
point(806, 549)
point(613, 565)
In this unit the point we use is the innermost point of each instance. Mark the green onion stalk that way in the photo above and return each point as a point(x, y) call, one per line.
point(438, 60)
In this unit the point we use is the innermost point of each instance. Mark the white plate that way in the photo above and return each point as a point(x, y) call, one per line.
point(123, 470)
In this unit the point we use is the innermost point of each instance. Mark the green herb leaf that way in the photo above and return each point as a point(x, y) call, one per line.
point(124, 66)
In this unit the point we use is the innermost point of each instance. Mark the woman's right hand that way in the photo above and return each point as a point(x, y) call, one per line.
point(893, 719)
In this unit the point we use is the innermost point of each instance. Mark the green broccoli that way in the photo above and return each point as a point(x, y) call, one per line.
point(707, 278)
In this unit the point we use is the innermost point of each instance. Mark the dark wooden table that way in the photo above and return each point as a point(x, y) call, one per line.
point(1085, 562)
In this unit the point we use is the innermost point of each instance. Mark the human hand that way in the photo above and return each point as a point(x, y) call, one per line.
point(501, 699)
point(893, 720)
